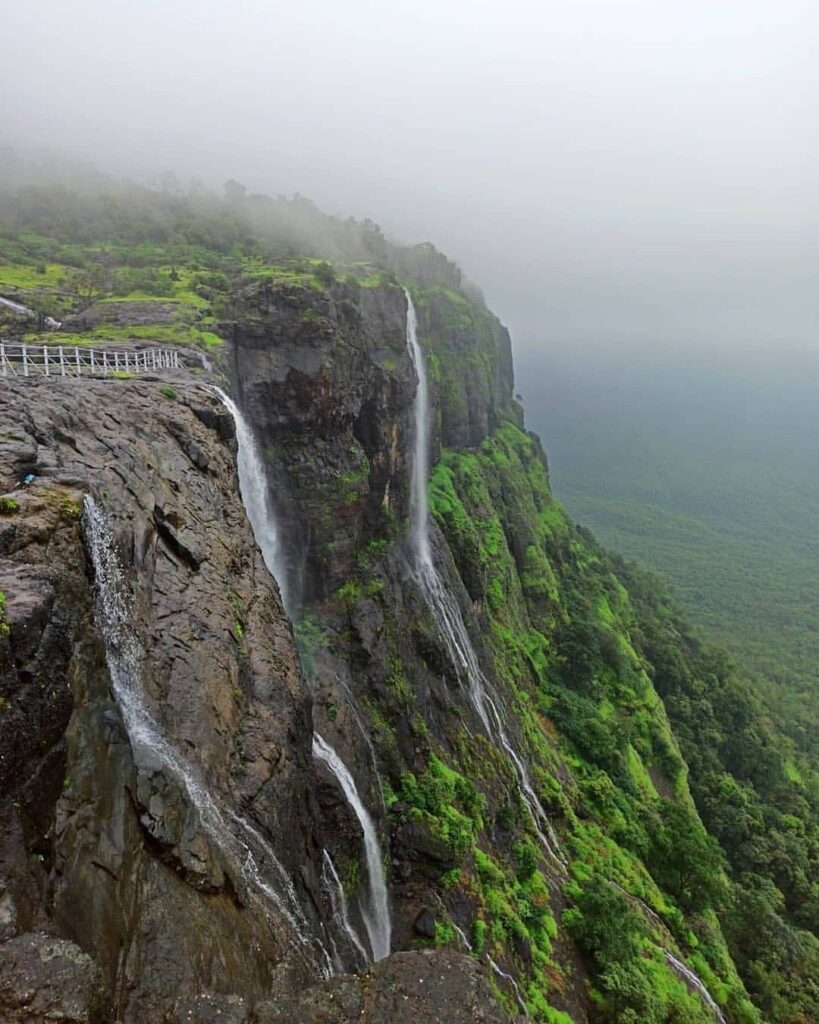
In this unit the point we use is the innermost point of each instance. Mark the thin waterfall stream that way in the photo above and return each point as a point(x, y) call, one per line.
point(447, 612)
point(376, 915)
point(338, 902)
point(250, 854)
point(256, 498)
point(460, 648)
point(255, 495)
point(696, 982)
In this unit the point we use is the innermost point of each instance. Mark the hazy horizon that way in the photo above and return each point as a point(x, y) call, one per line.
point(638, 176)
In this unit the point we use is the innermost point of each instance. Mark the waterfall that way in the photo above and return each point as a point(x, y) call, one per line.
point(338, 903)
point(18, 307)
point(250, 854)
point(447, 612)
point(253, 487)
point(419, 507)
point(508, 977)
point(692, 979)
point(376, 915)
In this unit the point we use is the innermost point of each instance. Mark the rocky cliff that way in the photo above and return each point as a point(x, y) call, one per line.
point(164, 855)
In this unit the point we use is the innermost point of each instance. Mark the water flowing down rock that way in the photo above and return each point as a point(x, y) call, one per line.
point(376, 913)
point(250, 855)
point(447, 613)
point(256, 496)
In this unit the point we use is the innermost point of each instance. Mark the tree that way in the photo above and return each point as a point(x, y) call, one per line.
point(89, 285)
point(685, 860)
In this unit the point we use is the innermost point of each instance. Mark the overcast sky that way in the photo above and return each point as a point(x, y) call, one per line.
point(611, 173)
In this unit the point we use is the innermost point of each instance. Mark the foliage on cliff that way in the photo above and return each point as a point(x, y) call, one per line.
point(686, 829)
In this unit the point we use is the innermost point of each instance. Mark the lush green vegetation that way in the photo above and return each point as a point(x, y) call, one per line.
point(563, 635)
point(688, 817)
point(708, 476)
point(751, 796)
point(103, 253)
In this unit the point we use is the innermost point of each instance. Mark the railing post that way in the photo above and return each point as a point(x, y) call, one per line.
point(116, 362)
point(105, 362)
point(62, 361)
point(153, 357)
point(126, 362)
point(92, 360)
point(25, 360)
point(2, 358)
point(77, 357)
point(45, 359)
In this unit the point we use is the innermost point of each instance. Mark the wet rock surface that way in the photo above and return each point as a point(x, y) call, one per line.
point(436, 987)
point(107, 846)
point(104, 844)
point(43, 979)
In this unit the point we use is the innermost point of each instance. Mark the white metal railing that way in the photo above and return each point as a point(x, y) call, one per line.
point(19, 360)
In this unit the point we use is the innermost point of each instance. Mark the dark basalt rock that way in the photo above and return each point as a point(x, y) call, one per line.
point(100, 842)
point(45, 979)
point(436, 987)
point(424, 924)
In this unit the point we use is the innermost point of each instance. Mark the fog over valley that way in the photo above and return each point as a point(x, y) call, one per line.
point(631, 175)
point(409, 512)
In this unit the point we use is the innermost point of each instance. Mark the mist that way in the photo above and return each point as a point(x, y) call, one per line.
point(629, 177)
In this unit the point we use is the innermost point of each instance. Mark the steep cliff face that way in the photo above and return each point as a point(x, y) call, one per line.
point(568, 697)
point(326, 379)
point(164, 819)
point(162, 851)
point(104, 839)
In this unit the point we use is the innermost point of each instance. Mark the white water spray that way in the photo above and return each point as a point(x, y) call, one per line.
point(18, 307)
point(376, 916)
point(692, 979)
point(338, 903)
point(508, 977)
point(254, 491)
point(239, 841)
point(253, 487)
point(447, 612)
point(419, 507)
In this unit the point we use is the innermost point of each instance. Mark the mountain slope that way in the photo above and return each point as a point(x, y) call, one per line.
point(497, 715)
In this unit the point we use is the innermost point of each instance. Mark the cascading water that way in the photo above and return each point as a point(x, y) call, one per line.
point(508, 977)
point(18, 307)
point(254, 491)
point(692, 979)
point(442, 601)
point(338, 902)
point(419, 507)
point(239, 841)
point(376, 916)
point(253, 487)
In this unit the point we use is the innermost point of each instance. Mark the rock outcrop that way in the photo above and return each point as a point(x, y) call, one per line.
point(167, 839)
point(104, 843)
